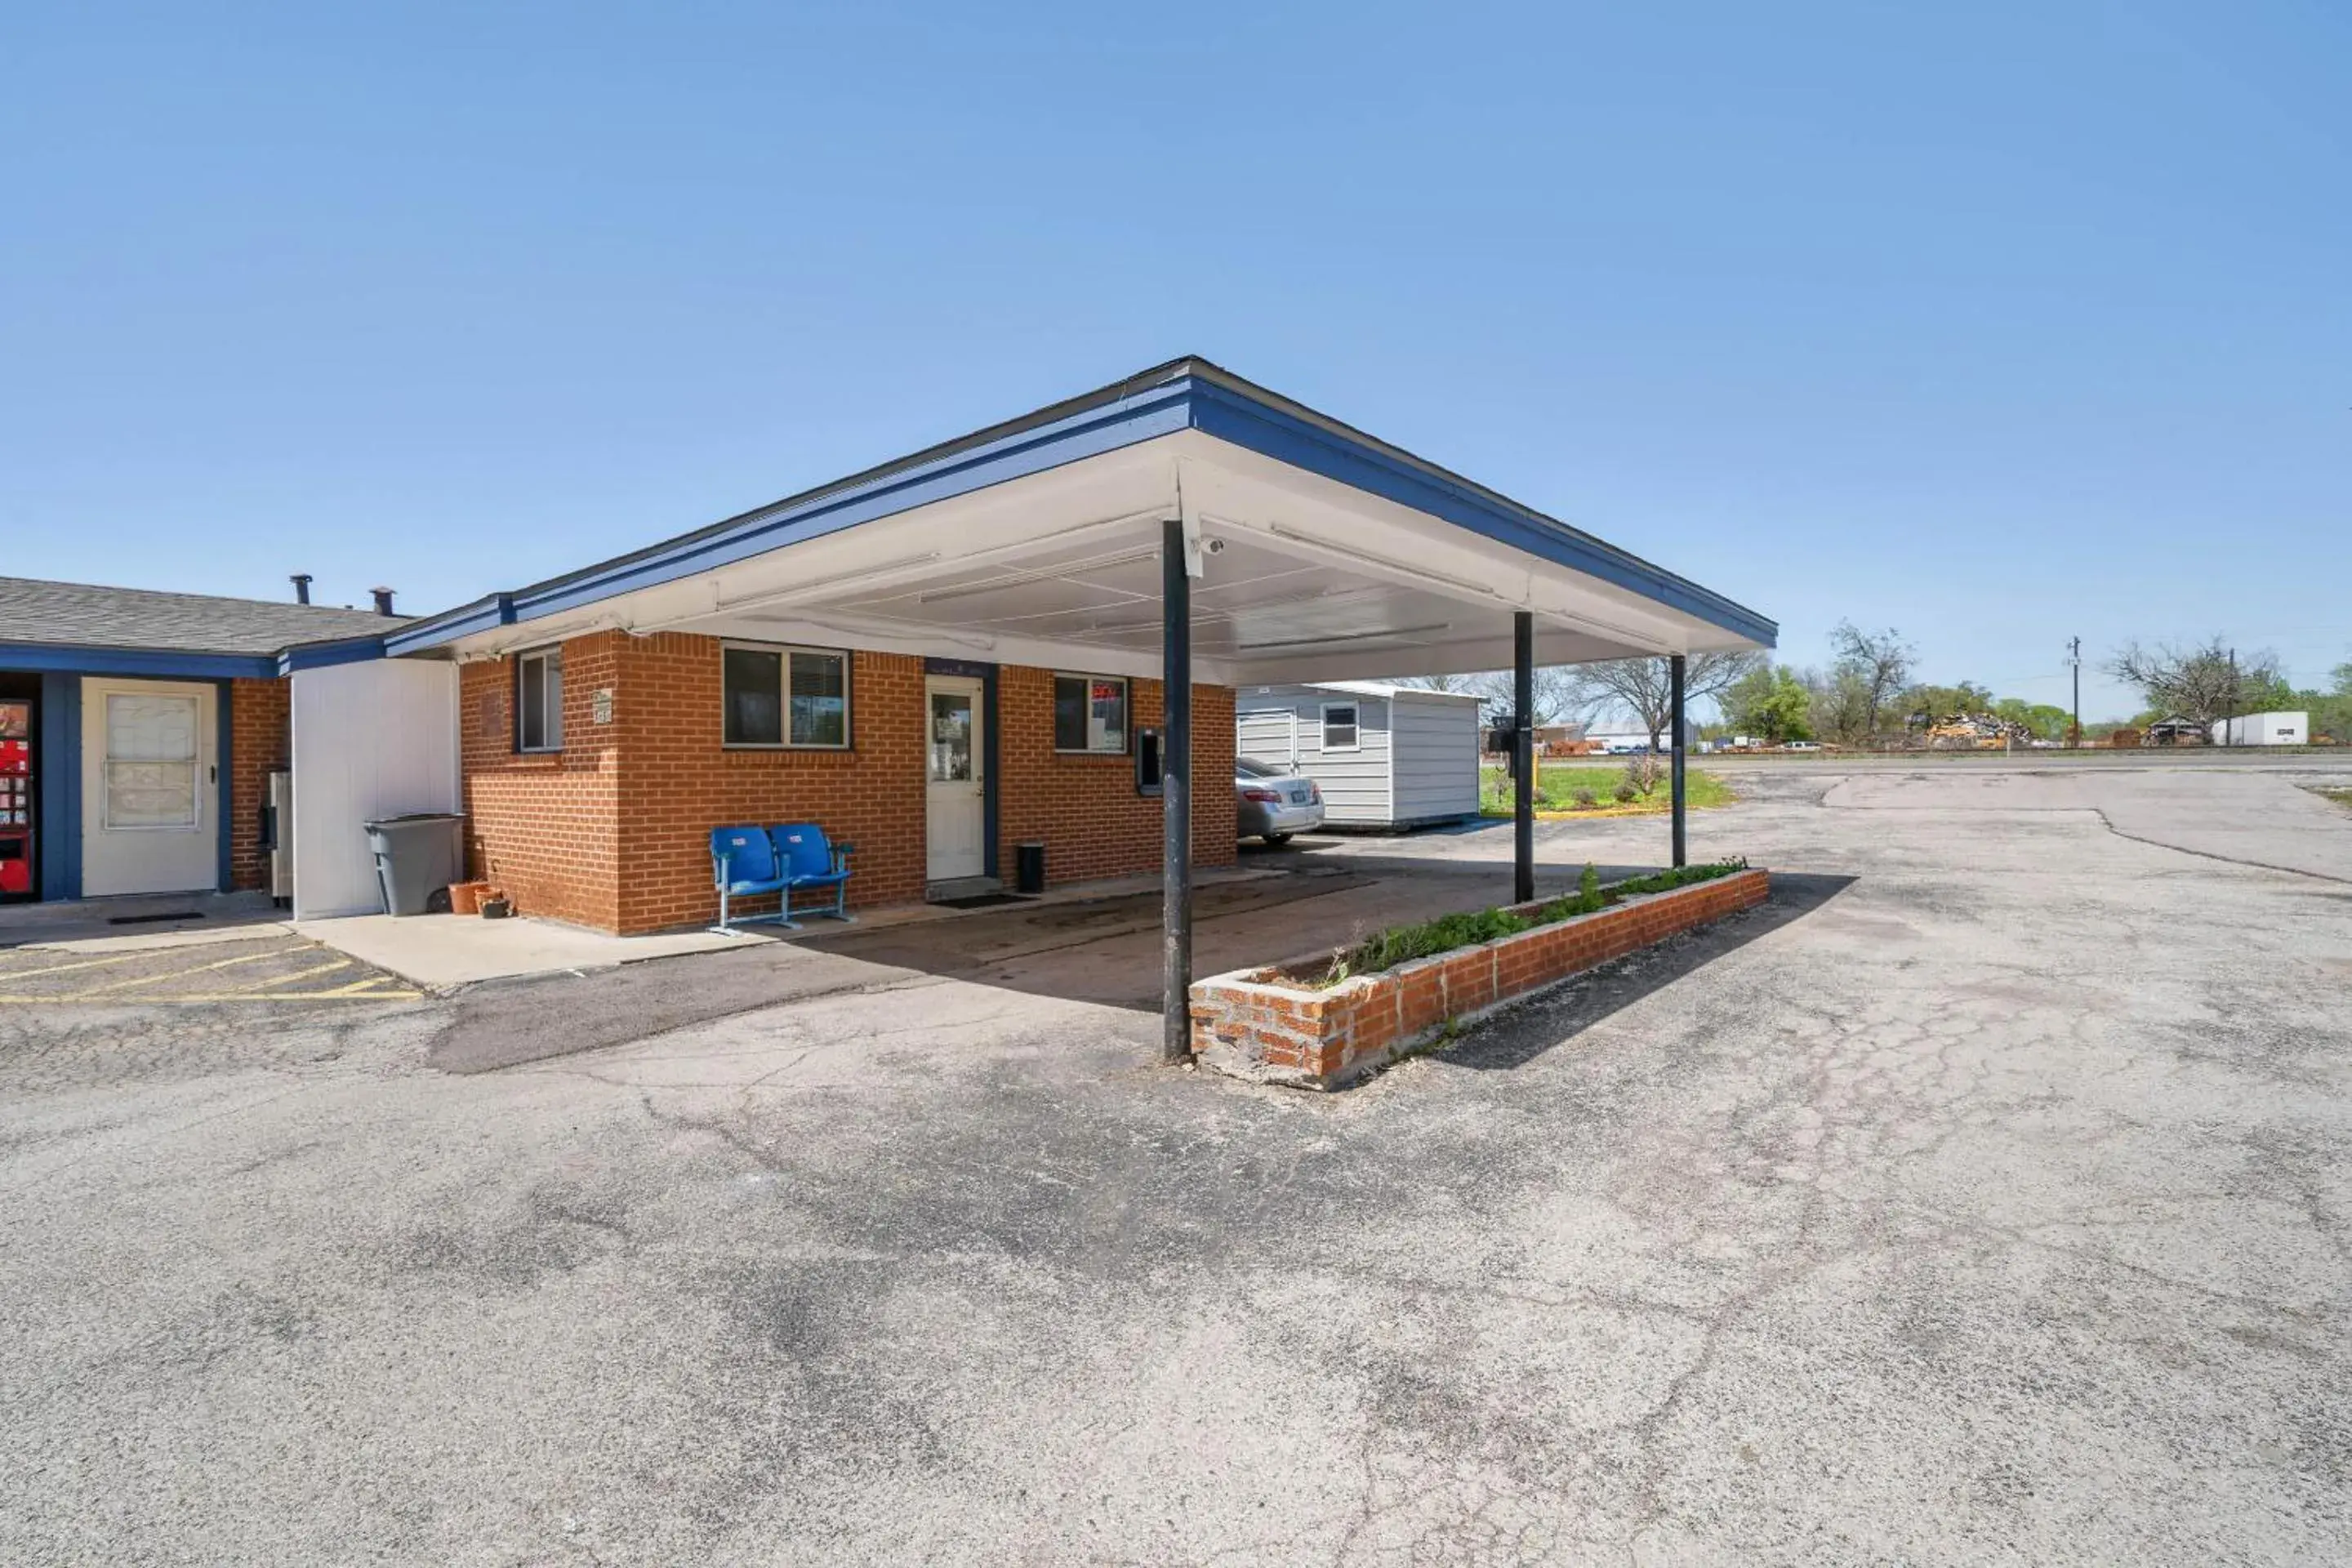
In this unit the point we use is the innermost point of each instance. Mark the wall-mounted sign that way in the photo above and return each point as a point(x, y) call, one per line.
point(600, 705)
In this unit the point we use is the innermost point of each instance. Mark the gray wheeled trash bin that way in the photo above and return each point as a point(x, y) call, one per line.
point(415, 857)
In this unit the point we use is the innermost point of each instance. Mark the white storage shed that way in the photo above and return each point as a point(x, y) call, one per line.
point(1386, 756)
point(2263, 729)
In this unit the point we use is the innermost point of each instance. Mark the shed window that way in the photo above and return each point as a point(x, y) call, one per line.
point(1338, 726)
point(1090, 713)
point(539, 701)
point(784, 697)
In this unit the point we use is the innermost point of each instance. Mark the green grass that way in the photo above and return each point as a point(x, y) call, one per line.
point(1557, 784)
point(2340, 796)
point(1427, 939)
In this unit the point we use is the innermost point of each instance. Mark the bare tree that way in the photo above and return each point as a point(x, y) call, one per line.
point(1837, 704)
point(1555, 700)
point(2203, 684)
point(1644, 687)
point(1440, 682)
point(1879, 662)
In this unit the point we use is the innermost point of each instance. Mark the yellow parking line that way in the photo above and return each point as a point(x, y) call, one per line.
point(355, 988)
point(183, 974)
point(210, 997)
point(61, 968)
point(372, 987)
point(272, 981)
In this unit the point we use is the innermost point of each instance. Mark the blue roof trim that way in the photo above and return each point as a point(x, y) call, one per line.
point(1185, 399)
point(322, 655)
point(1162, 411)
point(69, 658)
point(1245, 422)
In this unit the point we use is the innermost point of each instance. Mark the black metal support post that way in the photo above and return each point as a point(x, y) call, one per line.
point(1176, 796)
point(1682, 756)
point(1523, 756)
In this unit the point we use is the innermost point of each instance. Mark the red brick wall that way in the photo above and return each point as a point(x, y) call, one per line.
point(614, 832)
point(681, 780)
point(1086, 809)
point(258, 746)
point(545, 827)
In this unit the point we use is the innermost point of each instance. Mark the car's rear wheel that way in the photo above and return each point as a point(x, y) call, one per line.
point(1277, 839)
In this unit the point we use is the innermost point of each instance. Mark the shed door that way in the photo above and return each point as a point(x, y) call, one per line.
point(150, 807)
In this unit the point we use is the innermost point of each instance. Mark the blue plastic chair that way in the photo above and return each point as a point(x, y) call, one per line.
point(806, 858)
point(743, 862)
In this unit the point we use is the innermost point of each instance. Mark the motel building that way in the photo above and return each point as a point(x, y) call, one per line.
point(1031, 633)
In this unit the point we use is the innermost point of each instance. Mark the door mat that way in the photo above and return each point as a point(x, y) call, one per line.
point(983, 901)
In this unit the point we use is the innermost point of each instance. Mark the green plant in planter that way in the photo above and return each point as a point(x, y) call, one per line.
point(1402, 944)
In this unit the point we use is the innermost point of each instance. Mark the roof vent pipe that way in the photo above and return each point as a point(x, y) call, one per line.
point(382, 600)
point(301, 587)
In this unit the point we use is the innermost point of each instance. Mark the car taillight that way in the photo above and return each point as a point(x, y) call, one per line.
point(1264, 795)
point(1314, 793)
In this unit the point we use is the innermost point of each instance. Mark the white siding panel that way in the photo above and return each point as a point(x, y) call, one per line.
point(370, 740)
point(1436, 759)
point(1355, 783)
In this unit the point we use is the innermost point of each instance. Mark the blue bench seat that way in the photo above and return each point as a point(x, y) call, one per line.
point(746, 861)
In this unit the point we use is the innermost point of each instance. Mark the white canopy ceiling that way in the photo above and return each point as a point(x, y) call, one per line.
point(1297, 576)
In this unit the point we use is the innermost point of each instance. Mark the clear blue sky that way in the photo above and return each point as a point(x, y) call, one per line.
point(1998, 323)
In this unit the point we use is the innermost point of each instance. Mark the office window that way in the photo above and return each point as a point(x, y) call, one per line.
point(539, 701)
point(1338, 726)
point(785, 697)
point(1090, 713)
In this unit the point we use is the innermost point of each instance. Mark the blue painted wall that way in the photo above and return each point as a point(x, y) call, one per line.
point(221, 759)
point(60, 802)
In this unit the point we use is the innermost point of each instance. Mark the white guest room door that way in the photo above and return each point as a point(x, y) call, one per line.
point(956, 810)
point(149, 793)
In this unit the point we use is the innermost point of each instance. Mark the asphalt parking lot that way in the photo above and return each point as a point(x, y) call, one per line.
point(1983, 1199)
point(276, 967)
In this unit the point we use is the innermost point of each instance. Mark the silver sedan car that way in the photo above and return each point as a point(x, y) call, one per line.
point(1273, 804)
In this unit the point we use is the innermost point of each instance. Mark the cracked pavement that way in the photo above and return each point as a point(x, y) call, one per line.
point(1981, 1199)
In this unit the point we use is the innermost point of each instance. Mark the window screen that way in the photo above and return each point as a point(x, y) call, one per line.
point(1340, 727)
point(785, 697)
point(151, 761)
point(1089, 713)
point(539, 701)
point(820, 699)
point(753, 678)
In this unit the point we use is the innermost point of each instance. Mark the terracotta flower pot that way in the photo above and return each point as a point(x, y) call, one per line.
point(465, 898)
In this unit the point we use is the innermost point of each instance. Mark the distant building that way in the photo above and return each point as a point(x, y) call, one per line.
point(2263, 729)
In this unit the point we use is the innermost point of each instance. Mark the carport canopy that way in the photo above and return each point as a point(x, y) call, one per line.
point(1184, 524)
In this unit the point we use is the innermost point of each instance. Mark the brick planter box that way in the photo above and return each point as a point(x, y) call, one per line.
point(1268, 1024)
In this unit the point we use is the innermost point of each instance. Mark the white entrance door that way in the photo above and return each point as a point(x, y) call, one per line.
point(150, 788)
point(956, 815)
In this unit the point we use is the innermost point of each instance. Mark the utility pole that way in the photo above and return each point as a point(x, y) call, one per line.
point(2075, 658)
point(2230, 724)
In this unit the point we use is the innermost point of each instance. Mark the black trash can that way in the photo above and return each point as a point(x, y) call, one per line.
point(415, 857)
point(1029, 869)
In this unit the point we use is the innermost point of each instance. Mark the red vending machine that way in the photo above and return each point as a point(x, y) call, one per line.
point(16, 778)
